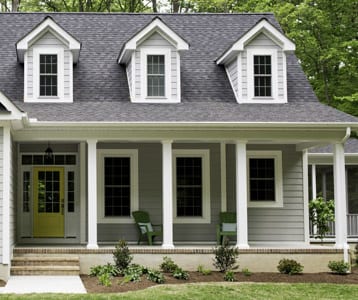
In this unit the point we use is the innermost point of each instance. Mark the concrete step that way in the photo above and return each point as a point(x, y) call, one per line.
point(45, 265)
point(45, 270)
point(44, 261)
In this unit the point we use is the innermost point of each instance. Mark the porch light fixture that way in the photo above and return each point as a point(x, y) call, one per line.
point(48, 153)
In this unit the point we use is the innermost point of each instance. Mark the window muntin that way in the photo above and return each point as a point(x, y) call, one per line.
point(262, 76)
point(48, 75)
point(262, 179)
point(155, 75)
point(40, 159)
point(117, 191)
point(189, 187)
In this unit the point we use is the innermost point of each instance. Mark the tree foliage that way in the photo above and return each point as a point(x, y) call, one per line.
point(325, 33)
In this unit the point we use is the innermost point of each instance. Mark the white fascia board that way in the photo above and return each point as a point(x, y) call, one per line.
point(15, 112)
point(48, 25)
point(156, 26)
point(262, 27)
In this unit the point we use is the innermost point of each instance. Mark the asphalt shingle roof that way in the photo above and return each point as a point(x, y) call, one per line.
point(100, 84)
point(351, 146)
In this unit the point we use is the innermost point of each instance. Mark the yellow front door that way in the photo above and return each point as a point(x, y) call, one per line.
point(48, 202)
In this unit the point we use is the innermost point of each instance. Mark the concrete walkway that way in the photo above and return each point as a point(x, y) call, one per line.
point(44, 284)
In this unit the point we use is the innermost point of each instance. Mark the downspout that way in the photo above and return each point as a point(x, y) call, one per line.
point(346, 249)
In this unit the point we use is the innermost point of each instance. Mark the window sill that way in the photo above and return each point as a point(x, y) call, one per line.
point(265, 204)
point(115, 220)
point(191, 220)
point(163, 100)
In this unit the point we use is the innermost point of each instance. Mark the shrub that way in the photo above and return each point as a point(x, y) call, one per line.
point(246, 272)
point(289, 266)
point(229, 276)
point(179, 273)
point(339, 267)
point(321, 212)
point(122, 256)
point(168, 265)
point(105, 279)
point(110, 269)
point(155, 276)
point(203, 271)
point(225, 257)
point(356, 253)
point(133, 273)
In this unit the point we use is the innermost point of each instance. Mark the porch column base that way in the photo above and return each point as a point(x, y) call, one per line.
point(168, 246)
point(243, 246)
point(92, 246)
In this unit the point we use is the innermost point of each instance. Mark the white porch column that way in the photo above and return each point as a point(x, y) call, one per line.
point(306, 218)
point(167, 195)
point(92, 194)
point(241, 195)
point(340, 197)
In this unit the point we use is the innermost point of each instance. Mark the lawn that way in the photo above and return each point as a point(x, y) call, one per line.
point(221, 291)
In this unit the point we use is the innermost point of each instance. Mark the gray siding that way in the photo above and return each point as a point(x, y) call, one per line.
point(263, 42)
point(274, 224)
point(150, 194)
point(232, 72)
point(1, 190)
point(156, 41)
point(129, 78)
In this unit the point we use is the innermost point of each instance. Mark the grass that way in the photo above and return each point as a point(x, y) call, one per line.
point(223, 291)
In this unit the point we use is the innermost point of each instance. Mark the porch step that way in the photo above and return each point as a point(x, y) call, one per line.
point(45, 265)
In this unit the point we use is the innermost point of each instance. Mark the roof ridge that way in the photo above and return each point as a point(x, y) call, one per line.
point(133, 13)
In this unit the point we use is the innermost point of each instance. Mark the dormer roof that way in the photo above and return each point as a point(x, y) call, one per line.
point(263, 26)
point(48, 25)
point(158, 26)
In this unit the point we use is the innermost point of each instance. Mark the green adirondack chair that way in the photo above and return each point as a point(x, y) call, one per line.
point(145, 227)
point(227, 226)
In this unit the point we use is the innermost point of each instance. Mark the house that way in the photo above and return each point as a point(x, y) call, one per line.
point(183, 116)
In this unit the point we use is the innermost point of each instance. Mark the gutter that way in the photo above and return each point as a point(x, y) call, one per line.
point(348, 134)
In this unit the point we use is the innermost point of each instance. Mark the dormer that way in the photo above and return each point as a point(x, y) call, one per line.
point(256, 65)
point(152, 61)
point(48, 53)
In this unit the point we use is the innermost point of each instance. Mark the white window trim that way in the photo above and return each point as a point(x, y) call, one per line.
point(144, 52)
point(204, 154)
point(251, 52)
point(133, 155)
point(60, 98)
point(277, 156)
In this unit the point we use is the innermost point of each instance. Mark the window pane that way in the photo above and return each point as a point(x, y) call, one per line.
point(71, 191)
point(262, 76)
point(324, 181)
point(26, 192)
point(117, 186)
point(352, 183)
point(189, 186)
point(262, 179)
point(155, 75)
point(48, 75)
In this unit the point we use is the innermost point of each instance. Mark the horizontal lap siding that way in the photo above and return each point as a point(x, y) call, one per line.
point(1, 189)
point(150, 194)
point(274, 224)
point(233, 76)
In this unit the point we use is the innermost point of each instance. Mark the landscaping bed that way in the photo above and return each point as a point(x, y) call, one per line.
point(92, 284)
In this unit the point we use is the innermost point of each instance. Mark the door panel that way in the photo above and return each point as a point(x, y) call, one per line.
point(48, 202)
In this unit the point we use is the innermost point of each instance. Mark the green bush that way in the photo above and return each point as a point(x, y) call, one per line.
point(168, 265)
point(133, 273)
point(225, 257)
point(155, 276)
point(203, 271)
point(110, 269)
point(246, 272)
point(356, 253)
point(122, 256)
point(339, 267)
point(229, 276)
point(105, 279)
point(289, 266)
point(179, 273)
point(321, 213)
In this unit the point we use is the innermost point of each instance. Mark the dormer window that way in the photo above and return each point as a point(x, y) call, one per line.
point(262, 75)
point(48, 75)
point(155, 75)
point(152, 60)
point(48, 53)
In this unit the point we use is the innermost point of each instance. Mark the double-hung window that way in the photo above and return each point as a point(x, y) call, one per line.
point(191, 181)
point(48, 75)
point(118, 189)
point(265, 178)
point(262, 76)
point(156, 75)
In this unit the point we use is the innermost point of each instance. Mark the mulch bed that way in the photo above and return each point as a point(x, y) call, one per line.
point(92, 285)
